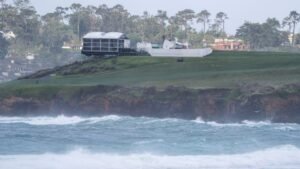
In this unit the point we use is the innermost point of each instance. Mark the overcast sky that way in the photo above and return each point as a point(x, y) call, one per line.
point(237, 10)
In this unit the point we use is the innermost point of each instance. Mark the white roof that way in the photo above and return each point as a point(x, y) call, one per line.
point(103, 35)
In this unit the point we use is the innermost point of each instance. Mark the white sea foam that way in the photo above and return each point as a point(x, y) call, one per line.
point(157, 120)
point(284, 157)
point(287, 128)
point(149, 141)
point(245, 123)
point(59, 120)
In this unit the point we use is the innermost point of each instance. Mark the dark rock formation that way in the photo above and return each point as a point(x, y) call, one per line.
point(221, 105)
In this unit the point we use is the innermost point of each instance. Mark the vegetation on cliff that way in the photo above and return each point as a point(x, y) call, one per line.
point(226, 86)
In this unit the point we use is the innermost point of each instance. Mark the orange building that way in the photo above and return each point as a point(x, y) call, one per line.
point(230, 45)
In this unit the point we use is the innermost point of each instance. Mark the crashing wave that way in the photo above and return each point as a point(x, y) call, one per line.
point(59, 120)
point(282, 157)
point(245, 123)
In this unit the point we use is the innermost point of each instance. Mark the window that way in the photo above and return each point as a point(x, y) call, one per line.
point(104, 40)
point(96, 40)
point(96, 44)
point(104, 50)
point(96, 48)
point(87, 48)
point(114, 44)
point(121, 43)
point(87, 40)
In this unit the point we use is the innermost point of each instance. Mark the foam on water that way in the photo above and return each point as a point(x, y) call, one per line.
point(282, 157)
point(199, 120)
point(72, 120)
point(167, 120)
point(59, 120)
point(245, 123)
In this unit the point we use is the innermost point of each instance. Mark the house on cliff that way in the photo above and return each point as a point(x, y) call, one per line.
point(105, 44)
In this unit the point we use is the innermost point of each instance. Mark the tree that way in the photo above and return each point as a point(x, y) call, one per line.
point(286, 23)
point(3, 4)
point(273, 22)
point(173, 27)
point(93, 18)
point(221, 17)
point(292, 20)
point(3, 46)
point(116, 18)
point(183, 18)
point(162, 18)
point(54, 33)
point(61, 13)
point(75, 17)
point(272, 36)
point(9, 15)
point(203, 17)
point(25, 23)
point(262, 35)
point(149, 28)
point(21, 3)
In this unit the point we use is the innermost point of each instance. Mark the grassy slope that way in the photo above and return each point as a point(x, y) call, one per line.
point(220, 70)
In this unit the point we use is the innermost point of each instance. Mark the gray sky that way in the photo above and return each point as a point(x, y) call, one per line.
point(237, 10)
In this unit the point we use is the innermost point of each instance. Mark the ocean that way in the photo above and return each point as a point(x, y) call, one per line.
point(117, 142)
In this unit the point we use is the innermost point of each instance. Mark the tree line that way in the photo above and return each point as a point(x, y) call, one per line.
point(48, 32)
point(270, 33)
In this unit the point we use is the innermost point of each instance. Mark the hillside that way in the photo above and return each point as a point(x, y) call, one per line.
point(223, 87)
point(219, 70)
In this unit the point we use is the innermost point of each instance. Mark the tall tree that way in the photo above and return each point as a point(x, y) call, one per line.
point(286, 23)
point(162, 18)
point(61, 13)
point(172, 27)
point(184, 18)
point(116, 18)
point(76, 16)
point(203, 17)
point(94, 19)
point(221, 17)
point(292, 20)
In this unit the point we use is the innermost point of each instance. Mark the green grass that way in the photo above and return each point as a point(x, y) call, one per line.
point(219, 70)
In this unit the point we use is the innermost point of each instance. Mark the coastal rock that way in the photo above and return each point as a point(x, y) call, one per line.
point(221, 105)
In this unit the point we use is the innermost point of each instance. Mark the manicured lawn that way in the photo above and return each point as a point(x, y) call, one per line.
point(219, 70)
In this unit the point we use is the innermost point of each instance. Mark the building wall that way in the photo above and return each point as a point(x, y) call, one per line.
point(103, 45)
point(229, 45)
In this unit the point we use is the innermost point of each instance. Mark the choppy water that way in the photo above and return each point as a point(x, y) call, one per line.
point(115, 142)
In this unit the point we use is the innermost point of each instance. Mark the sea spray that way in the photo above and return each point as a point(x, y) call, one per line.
point(115, 142)
point(281, 157)
point(59, 120)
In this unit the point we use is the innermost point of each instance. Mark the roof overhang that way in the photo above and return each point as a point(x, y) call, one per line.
point(103, 35)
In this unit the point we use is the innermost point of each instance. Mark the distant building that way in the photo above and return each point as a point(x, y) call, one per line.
point(230, 45)
point(105, 44)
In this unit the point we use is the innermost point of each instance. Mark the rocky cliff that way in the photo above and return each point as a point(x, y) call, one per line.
point(221, 105)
